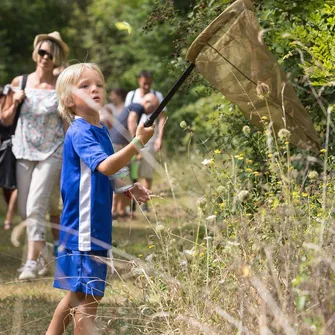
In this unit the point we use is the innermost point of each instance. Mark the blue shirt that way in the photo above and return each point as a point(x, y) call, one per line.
point(119, 134)
point(86, 222)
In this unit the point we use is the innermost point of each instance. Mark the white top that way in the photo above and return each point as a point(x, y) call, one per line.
point(135, 97)
point(39, 132)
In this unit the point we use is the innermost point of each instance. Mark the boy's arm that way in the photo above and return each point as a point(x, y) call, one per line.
point(115, 162)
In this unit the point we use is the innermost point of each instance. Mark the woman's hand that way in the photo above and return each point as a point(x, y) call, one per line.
point(140, 193)
point(144, 134)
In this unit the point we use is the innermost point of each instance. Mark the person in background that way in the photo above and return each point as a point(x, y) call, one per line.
point(89, 161)
point(37, 146)
point(145, 169)
point(117, 98)
point(9, 195)
point(121, 137)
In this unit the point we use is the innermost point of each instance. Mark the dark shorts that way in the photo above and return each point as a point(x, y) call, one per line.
point(81, 271)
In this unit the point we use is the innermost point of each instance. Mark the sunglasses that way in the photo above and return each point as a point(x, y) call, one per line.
point(42, 53)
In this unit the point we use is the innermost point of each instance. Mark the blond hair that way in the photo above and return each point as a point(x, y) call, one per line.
point(55, 49)
point(66, 80)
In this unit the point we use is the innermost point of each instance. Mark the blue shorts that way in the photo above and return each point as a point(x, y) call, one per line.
point(81, 271)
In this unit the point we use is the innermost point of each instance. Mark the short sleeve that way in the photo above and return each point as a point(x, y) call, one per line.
point(137, 108)
point(128, 98)
point(88, 148)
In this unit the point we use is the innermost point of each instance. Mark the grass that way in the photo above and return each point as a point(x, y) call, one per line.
point(27, 307)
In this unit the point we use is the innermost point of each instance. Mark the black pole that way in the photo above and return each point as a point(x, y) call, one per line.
point(171, 93)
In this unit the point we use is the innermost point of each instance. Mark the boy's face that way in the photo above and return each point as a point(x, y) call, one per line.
point(89, 94)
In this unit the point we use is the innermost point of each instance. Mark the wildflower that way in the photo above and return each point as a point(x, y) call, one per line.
point(189, 254)
point(217, 151)
point(313, 175)
point(140, 255)
point(207, 161)
point(211, 218)
point(159, 228)
point(264, 117)
point(183, 124)
point(323, 151)
point(208, 238)
point(262, 90)
point(220, 189)
point(202, 202)
point(243, 195)
point(151, 246)
point(246, 130)
point(149, 258)
point(248, 170)
point(270, 155)
point(183, 263)
point(284, 134)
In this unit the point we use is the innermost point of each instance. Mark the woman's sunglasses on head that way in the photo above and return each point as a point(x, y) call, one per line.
point(42, 53)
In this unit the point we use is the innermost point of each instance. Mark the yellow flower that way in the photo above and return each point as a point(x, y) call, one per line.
point(323, 150)
point(217, 151)
point(264, 117)
point(256, 173)
point(304, 194)
point(151, 246)
point(248, 170)
point(140, 255)
point(270, 155)
point(249, 161)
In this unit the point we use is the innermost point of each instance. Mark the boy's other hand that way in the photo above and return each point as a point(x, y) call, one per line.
point(140, 193)
point(144, 134)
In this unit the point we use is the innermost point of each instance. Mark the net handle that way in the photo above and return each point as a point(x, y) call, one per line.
point(168, 97)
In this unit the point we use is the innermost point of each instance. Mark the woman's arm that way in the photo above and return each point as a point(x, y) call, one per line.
point(13, 99)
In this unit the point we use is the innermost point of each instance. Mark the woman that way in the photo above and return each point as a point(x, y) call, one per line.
point(37, 145)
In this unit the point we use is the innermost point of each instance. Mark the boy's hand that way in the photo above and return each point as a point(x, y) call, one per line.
point(140, 193)
point(144, 134)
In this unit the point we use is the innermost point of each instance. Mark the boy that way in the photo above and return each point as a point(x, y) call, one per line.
point(88, 160)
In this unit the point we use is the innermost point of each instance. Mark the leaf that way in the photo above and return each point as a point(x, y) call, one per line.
point(123, 26)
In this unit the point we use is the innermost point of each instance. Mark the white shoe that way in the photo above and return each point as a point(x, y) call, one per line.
point(44, 259)
point(29, 271)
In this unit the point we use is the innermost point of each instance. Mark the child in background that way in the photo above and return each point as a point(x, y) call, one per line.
point(85, 229)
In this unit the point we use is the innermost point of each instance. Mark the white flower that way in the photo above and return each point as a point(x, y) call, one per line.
point(183, 263)
point(208, 238)
point(313, 175)
point(207, 161)
point(284, 134)
point(211, 218)
point(159, 228)
point(149, 258)
point(202, 202)
point(189, 254)
point(220, 189)
point(243, 195)
point(246, 130)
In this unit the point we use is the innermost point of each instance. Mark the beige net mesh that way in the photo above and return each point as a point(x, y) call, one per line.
point(231, 55)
